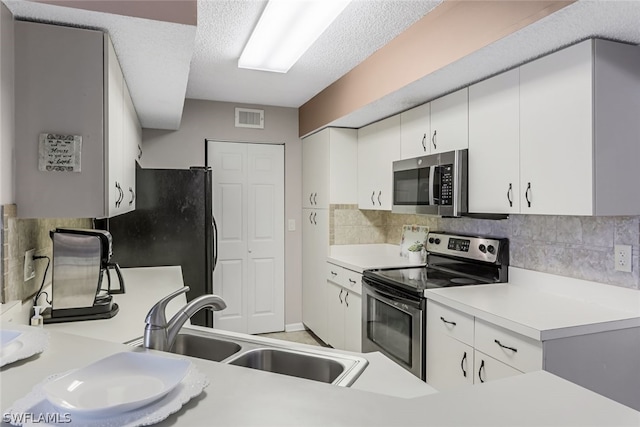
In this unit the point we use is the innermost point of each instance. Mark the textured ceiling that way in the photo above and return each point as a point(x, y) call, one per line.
point(164, 62)
point(224, 27)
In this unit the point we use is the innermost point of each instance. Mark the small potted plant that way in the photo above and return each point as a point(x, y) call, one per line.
point(415, 252)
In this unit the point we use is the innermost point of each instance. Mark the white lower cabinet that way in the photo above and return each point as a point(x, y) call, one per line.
point(462, 350)
point(344, 308)
point(315, 243)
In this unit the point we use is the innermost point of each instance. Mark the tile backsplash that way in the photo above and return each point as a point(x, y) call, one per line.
point(580, 247)
point(19, 235)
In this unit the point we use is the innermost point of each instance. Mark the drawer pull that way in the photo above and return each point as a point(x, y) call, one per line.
point(447, 321)
point(334, 273)
point(480, 371)
point(352, 281)
point(515, 350)
point(464, 372)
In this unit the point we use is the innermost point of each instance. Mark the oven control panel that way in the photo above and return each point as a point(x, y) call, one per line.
point(470, 247)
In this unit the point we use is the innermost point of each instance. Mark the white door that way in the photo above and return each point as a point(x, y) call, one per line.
point(248, 204)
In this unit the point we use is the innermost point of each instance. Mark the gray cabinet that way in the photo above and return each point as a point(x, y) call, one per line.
point(68, 82)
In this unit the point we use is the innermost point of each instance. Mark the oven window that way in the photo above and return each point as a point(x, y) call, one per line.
point(413, 187)
point(390, 328)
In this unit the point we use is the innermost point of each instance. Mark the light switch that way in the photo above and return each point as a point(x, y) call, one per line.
point(292, 225)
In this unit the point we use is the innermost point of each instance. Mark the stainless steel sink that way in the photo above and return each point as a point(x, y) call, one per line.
point(293, 363)
point(317, 365)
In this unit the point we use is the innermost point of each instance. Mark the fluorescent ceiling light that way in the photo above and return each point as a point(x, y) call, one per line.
point(286, 29)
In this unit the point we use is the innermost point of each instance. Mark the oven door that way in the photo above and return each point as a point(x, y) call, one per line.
point(416, 185)
point(393, 324)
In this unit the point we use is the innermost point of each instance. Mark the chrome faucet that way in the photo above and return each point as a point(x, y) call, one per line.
point(160, 334)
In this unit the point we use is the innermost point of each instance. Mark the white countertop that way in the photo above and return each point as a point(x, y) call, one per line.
point(364, 257)
point(238, 396)
point(144, 287)
point(544, 306)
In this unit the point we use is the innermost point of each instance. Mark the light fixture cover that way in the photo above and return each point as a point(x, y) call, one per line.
point(286, 29)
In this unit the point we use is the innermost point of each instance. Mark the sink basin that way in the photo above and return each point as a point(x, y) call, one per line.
point(293, 363)
point(268, 355)
point(204, 347)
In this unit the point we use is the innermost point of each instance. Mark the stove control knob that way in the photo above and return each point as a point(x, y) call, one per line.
point(437, 241)
point(431, 240)
point(482, 248)
point(491, 249)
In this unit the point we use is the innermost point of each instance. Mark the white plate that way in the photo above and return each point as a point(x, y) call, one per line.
point(21, 342)
point(116, 384)
point(42, 413)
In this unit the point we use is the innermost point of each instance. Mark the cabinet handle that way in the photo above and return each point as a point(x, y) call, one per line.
point(345, 299)
point(480, 371)
point(447, 321)
point(433, 139)
point(352, 281)
point(139, 152)
point(379, 194)
point(372, 196)
point(120, 194)
point(310, 198)
point(526, 194)
point(334, 273)
point(515, 350)
point(464, 372)
point(314, 198)
point(314, 218)
point(509, 193)
point(133, 196)
point(424, 145)
point(310, 218)
point(340, 296)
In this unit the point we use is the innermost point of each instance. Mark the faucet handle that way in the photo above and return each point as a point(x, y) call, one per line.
point(156, 315)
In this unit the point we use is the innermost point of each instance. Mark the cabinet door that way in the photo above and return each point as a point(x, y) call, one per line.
point(335, 315)
point(315, 170)
point(415, 132)
point(487, 368)
point(315, 244)
point(494, 139)
point(352, 322)
point(116, 187)
point(449, 122)
point(449, 361)
point(378, 147)
point(556, 124)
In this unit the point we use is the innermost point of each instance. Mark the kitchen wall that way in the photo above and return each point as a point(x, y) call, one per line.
point(22, 235)
point(580, 247)
point(215, 120)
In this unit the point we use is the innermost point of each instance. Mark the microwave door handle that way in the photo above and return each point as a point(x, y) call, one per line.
point(432, 174)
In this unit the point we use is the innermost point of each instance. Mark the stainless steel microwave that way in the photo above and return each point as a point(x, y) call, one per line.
point(432, 185)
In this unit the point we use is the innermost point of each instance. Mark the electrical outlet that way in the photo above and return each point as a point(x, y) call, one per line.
point(623, 257)
point(292, 225)
point(29, 266)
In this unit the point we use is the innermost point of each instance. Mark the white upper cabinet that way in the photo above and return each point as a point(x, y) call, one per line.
point(415, 132)
point(378, 147)
point(86, 98)
point(579, 131)
point(494, 144)
point(329, 172)
point(450, 122)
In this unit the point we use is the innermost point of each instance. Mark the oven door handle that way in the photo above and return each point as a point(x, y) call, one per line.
point(390, 297)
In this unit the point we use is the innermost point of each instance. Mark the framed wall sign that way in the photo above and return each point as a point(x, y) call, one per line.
point(60, 152)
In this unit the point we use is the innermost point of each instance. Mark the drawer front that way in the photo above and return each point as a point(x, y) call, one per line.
point(451, 322)
point(346, 278)
point(518, 351)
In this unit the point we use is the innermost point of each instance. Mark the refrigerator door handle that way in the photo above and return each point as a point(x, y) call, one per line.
point(215, 242)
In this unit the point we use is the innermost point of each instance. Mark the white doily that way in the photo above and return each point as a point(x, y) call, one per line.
point(31, 341)
point(35, 410)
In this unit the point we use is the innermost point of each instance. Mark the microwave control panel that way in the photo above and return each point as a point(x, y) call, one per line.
point(446, 185)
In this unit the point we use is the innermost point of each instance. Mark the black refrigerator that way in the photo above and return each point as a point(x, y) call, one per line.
point(173, 224)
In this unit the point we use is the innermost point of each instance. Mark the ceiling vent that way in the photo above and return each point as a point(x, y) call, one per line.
point(249, 118)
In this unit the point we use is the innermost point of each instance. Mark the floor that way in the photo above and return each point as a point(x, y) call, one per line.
point(304, 337)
